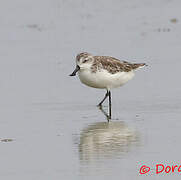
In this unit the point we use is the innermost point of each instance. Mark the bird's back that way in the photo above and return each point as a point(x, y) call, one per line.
point(113, 65)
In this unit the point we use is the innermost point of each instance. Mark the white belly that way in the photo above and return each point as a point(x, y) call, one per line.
point(103, 79)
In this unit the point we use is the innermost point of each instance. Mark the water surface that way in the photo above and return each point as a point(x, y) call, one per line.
point(50, 127)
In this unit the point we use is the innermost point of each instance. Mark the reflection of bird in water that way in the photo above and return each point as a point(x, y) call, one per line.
point(105, 140)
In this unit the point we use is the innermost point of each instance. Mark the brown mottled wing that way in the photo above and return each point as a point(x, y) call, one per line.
point(113, 65)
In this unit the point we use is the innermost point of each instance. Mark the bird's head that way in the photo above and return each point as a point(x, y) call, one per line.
point(83, 61)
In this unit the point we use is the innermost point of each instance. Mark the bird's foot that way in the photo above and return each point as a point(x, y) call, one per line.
point(99, 106)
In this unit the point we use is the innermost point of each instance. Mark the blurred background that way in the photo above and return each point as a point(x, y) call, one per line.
point(50, 127)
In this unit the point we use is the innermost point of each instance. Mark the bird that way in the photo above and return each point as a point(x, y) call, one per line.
point(104, 72)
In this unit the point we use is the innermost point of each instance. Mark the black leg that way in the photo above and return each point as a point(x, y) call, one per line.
point(106, 95)
point(109, 104)
point(105, 113)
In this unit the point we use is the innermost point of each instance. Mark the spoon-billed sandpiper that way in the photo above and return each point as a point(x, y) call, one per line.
point(104, 72)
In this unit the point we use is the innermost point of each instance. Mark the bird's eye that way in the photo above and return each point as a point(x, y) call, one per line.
point(84, 61)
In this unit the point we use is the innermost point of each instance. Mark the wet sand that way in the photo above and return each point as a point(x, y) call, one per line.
point(50, 127)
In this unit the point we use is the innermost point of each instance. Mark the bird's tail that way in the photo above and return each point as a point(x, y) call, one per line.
point(140, 65)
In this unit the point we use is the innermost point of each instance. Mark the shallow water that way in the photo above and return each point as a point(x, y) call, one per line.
point(50, 127)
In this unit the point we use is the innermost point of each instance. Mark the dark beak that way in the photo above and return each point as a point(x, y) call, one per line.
point(75, 71)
